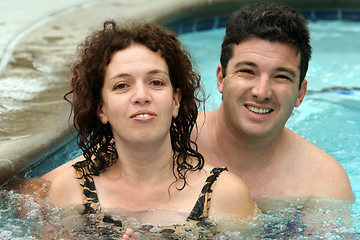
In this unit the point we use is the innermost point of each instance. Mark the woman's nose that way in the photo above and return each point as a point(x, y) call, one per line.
point(141, 94)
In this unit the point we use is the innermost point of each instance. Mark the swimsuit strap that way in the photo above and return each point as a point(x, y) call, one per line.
point(202, 205)
point(90, 197)
point(91, 201)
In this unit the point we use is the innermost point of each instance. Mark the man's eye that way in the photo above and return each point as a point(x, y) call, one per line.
point(284, 77)
point(246, 71)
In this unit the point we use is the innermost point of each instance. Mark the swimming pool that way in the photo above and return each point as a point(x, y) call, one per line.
point(329, 117)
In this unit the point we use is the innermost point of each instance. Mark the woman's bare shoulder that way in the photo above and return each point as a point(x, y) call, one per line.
point(50, 176)
point(231, 198)
point(65, 187)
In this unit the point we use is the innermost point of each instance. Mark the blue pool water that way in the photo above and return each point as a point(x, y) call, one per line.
point(329, 117)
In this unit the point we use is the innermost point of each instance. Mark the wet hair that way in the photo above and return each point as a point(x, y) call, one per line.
point(96, 139)
point(267, 21)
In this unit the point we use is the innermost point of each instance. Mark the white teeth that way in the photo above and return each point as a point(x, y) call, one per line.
point(143, 115)
point(259, 110)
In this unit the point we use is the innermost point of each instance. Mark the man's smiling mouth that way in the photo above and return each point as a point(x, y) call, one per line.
point(259, 110)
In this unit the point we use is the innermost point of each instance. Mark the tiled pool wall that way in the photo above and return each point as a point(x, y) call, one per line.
point(188, 24)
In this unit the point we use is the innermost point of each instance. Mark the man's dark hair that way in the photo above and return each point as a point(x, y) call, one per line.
point(267, 21)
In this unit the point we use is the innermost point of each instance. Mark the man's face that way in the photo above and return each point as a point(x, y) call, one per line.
point(261, 87)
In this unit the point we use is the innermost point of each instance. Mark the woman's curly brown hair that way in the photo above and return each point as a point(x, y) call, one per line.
point(96, 139)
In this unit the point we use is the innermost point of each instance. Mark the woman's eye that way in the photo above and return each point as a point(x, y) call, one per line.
point(120, 86)
point(157, 83)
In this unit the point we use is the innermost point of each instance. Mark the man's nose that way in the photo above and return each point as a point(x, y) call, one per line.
point(262, 88)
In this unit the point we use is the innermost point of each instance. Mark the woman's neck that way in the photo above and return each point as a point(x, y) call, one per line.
point(143, 162)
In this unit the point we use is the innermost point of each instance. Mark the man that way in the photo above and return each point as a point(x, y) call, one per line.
point(264, 59)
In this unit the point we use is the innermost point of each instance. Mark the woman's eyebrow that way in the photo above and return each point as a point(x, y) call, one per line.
point(156, 71)
point(119, 75)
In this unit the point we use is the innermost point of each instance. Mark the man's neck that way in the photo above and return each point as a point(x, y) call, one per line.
point(239, 151)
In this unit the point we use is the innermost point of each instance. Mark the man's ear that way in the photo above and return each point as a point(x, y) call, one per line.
point(220, 78)
point(102, 114)
point(301, 93)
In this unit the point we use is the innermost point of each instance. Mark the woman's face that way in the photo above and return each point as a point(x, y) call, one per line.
point(138, 99)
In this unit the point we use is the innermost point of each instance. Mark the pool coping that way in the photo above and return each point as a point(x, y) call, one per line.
point(19, 154)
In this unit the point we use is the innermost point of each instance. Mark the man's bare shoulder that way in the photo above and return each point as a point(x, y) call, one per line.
point(325, 174)
point(203, 135)
point(205, 120)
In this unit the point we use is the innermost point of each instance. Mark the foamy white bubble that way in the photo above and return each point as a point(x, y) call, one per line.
point(20, 89)
point(7, 106)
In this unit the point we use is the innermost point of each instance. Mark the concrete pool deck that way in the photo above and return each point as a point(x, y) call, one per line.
point(35, 56)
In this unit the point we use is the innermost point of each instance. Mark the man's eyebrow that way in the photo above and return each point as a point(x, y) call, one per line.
point(251, 64)
point(287, 70)
point(244, 63)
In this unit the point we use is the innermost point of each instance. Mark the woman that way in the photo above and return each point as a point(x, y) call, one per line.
point(134, 108)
